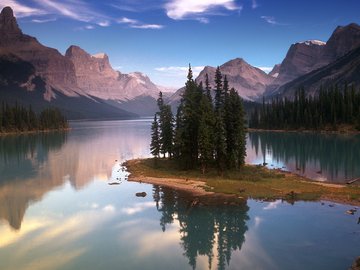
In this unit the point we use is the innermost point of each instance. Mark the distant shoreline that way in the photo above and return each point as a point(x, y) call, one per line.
point(322, 131)
point(3, 134)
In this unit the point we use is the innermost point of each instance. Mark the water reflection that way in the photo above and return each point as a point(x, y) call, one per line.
point(34, 164)
point(23, 154)
point(207, 228)
point(21, 160)
point(324, 157)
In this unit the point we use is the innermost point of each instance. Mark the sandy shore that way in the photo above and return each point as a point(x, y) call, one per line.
point(195, 187)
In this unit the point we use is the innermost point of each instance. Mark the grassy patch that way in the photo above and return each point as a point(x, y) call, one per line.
point(250, 181)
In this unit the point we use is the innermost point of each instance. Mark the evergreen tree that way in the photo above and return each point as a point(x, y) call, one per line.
point(220, 130)
point(155, 138)
point(17, 118)
point(329, 109)
point(187, 137)
point(206, 133)
point(208, 87)
point(166, 131)
point(165, 127)
point(219, 95)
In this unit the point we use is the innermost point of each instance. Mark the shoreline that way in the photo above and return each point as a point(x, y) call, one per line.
point(33, 132)
point(341, 131)
point(289, 186)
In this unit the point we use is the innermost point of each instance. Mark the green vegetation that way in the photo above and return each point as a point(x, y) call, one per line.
point(21, 119)
point(207, 134)
point(255, 182)
point(331, 109)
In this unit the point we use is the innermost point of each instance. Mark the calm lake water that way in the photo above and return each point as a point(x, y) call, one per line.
point(58, 211)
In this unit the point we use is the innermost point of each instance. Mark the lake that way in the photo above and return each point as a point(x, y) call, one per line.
point(58, 211)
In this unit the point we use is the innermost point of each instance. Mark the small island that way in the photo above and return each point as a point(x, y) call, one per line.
point(203, 153)
point(251, 182)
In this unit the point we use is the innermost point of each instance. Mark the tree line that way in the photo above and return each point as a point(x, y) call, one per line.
point(18, 118)
point(332, 107)
point(205, 132)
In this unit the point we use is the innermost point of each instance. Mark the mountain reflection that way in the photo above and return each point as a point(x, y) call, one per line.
point(21, 158)
point(207, 227)
point(32, 165)
point(330, 157)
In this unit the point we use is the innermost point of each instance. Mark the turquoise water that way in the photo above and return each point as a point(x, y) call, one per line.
point(322, 157)
point(58, 211)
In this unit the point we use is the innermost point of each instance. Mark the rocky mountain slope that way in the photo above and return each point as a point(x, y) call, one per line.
point(97, 78)
point(250, 82)
point(57, 71)
point(344, 70)
point(88, 78)
point(305, 57)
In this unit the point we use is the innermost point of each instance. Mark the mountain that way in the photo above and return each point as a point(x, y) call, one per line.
point(56, 70)
point(307, 56)
point(250, 82)
point(275, 71)
point(97, 78)
point(344, 70)
point(86, 81)
point(300, 59)
point(20, 84)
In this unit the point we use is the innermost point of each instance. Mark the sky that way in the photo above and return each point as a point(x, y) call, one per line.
point(161, 37)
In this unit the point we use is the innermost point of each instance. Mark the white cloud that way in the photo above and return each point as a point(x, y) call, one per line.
point(269, 19)
point(89, 27)
point(104, 23)
point(21, 10)
point(67, 9)
point(179, 71)
point(132, 23)
point(43, 20)
point(127, 20)
point(272, 205)
point(258, 221)
point(78, 10)
point(109, 208)
point(94, 206)
point(191, 9)
point(203, 20)
point(147, 26)
point(138, 207)
point(266, 69)
point(254, 4)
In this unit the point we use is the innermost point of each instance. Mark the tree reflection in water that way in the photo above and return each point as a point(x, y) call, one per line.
point(209, 226)
point(332, 156)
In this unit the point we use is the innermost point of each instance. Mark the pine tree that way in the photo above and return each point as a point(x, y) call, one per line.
point(187, 137)
point(219, 95)
point(155, 138)
point(208, 87)
point(165, 127)
point(220, 131)
point(166, 131)
point(206, 133)
point(239, 128)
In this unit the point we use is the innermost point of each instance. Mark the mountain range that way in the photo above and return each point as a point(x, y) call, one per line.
point(80, 84)
point(86, 86)
point(309, 64)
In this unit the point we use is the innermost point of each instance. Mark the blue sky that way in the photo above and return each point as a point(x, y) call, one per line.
point(160, 37)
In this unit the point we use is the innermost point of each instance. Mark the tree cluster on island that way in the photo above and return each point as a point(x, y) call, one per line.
point(205, 132)
point(20, 119)
point(329, 109)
